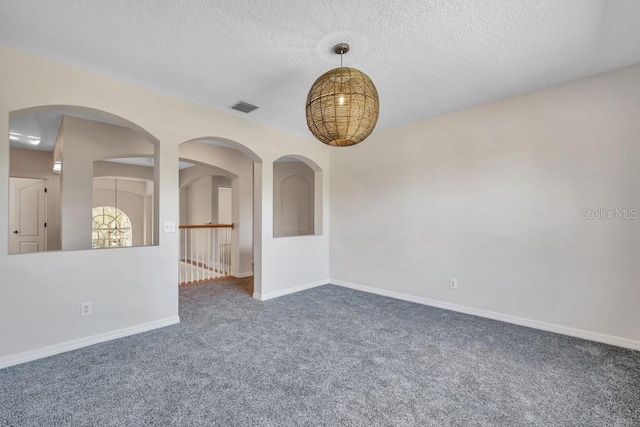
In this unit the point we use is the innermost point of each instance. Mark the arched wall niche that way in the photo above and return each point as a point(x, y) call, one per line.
point(297, 197)
point(66, 146)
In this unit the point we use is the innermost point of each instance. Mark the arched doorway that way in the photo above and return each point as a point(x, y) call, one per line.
point(216, 172)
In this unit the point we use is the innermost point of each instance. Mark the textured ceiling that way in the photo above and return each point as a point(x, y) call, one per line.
point(425, 57)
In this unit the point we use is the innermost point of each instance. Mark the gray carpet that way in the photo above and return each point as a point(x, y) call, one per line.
point(327, 356)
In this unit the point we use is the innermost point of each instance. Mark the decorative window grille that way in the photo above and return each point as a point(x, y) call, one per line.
point(111, 228)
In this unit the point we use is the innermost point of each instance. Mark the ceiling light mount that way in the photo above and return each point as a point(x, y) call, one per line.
point(341, 48)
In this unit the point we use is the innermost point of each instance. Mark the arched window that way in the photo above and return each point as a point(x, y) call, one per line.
point(111, 228)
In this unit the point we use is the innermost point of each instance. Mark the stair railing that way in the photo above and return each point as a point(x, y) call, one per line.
point(205, 252)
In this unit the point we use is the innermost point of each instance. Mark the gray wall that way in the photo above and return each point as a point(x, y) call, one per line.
point(494, 196)
point(199, 200)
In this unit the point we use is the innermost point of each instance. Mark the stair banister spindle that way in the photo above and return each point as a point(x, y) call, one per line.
point(205, 254)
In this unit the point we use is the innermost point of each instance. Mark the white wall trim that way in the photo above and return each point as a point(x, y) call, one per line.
point(51, 350)
point(522, 321)
point(242, 275)
point(303, 287)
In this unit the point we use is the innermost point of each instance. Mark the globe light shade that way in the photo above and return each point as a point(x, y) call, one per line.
point(342, 107)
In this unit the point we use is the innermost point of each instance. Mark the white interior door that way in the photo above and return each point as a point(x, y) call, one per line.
point(224, 205)
point(27, 215)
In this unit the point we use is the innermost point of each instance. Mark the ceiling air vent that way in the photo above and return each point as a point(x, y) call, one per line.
point(244, 107)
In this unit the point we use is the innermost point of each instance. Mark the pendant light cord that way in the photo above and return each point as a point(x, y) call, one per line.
point(116, 202)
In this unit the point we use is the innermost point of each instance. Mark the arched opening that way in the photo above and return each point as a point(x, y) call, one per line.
point(220, 180)
point(297, 197)
point(62, 152)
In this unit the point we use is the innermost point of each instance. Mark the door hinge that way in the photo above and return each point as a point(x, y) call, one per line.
point(45, 190)
point(45, 225)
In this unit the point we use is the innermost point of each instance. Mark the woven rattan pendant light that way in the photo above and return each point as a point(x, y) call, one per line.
point(342, 105)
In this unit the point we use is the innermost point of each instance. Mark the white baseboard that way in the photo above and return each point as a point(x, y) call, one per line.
point(242, 275)
point(536, 324)
point(276, 294)
point(51, 350)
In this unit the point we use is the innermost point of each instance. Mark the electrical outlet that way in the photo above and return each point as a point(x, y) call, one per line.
point(85, 308)
point(299, 269)
point(453, 283)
